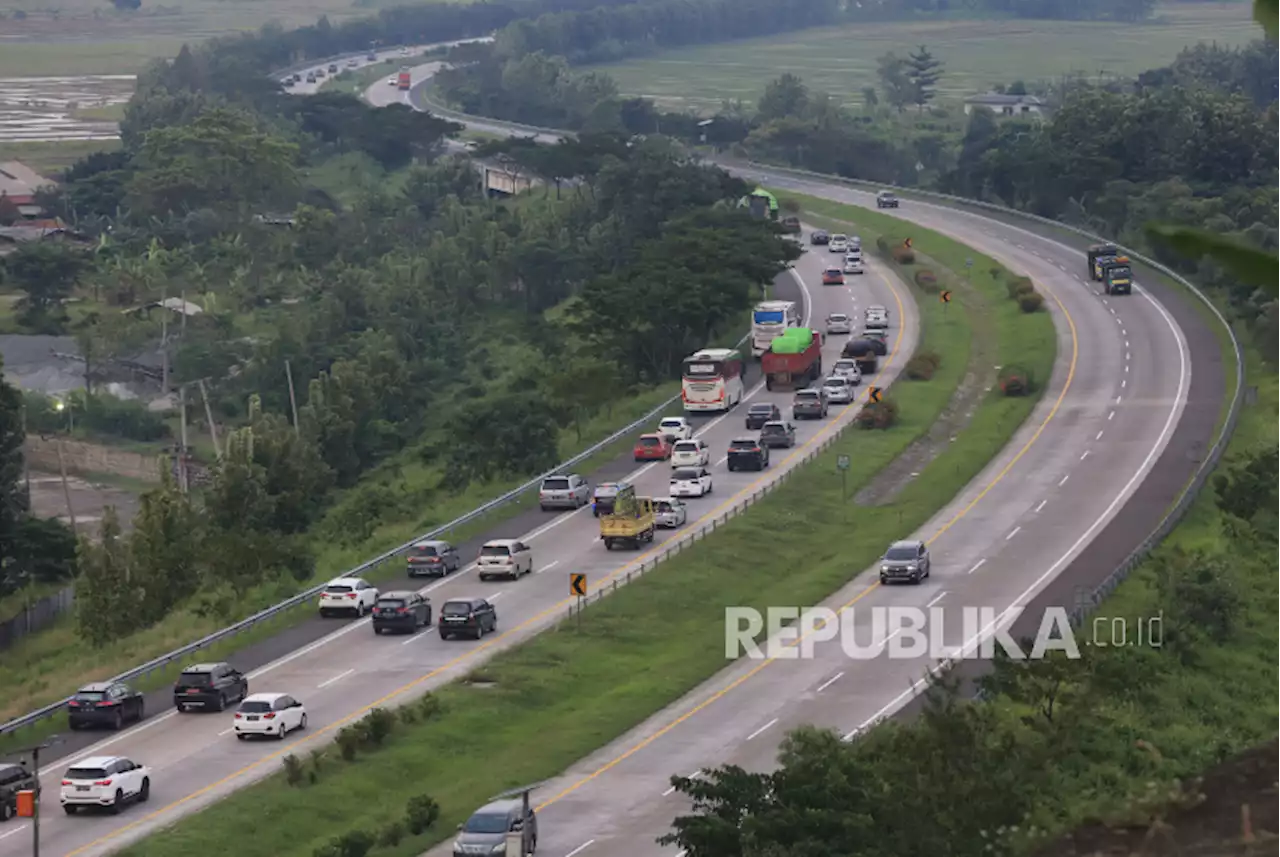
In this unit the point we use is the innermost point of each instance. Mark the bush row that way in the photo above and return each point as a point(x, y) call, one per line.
point(95, 412)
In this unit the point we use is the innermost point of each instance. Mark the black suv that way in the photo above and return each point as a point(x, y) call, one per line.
point(747, 454)
point(209, 686)
point(778, 433)
point(885, 199)
point(104, 703)
point(470, 617)
point(433, 558)
point(13, 779)
point(819, 236)
point(401, 611)
point(760, 413)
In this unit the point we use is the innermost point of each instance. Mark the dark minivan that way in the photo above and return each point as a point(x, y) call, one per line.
point(404, 612)
point(207, 686)
point(104, 703)
point(467, 617)
point(761, 413)
point(486, 830)
point(432, 558)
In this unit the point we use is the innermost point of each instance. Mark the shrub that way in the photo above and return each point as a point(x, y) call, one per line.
point(878, 415)
point(353, 843)
point(420, 812)
point(1016, 381)
point(428, 706)
point(97, 412)
point(348, 740)
point(391, 834)
point(927, 281)
point(921, 367)
point(1030, 302)
point(1019, 286)
point(904, 255)
point(995, 271)
point(293, 770)
point(376, 726)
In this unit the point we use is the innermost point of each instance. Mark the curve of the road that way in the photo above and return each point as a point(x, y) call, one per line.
point(195, 758)
point(1124, 372)
point(1080, 485)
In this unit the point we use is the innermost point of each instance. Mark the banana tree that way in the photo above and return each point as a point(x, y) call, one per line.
point(1249, 265)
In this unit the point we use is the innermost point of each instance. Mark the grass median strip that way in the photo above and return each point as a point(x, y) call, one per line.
point(534, 710)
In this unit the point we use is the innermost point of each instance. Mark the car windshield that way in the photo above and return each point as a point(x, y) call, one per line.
point(839, 237)
point(556, 483)
point(833, 271)
point(90, 695)
point(805, 396)
point(86, 774)
point(456, 608)
point(253, 706)
point(686, 446)
point(846, 364)
point(773, 428)
point(901, 553)
point(392, 603)
point(761, 409)
point(669, 424)
point(742, 444)
point(425, 550)
point(684, 475)
point(606, 490)
point(486, 823)
point(194, 678)
point(836, 382)
point(495, 550)
point(338, 588)
point(839, 316)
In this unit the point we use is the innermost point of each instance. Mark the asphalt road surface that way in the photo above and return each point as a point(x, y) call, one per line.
point(1120, 388)
point(340, 675)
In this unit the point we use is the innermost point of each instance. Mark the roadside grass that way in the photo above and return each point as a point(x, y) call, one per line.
point(51, 157)
point(103, 113)
point(977, 54)
point(551, 701)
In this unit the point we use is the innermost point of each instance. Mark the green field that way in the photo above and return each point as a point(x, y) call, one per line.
point(52, 157)
point(977, 55)
point(535, 710)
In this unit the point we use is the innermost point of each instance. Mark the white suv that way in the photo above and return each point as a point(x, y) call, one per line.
point(348, 595)
point(271, 714)
point(105, 781)
point(676, 428)
point(505, 558)
point(690, 453)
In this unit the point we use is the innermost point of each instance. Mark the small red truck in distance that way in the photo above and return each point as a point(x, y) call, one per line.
point(404, 82)
point(793, 360)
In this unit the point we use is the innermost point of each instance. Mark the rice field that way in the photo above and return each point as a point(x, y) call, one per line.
point(976, 54)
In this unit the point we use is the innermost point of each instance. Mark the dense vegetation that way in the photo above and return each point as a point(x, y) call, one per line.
point(336, 247)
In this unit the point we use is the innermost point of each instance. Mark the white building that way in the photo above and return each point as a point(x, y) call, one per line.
point(1025, 106)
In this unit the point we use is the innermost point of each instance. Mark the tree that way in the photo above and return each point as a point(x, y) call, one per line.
point(783, 96)
point(507, 435)
point(219, 160)
point(48, 273)
point(104, 592)
point(897, 86)
point(869, 97)
point(9, 211)
point(164, 552)
point(924, 71)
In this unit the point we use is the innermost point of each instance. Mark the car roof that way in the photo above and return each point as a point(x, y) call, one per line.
point(465, 599)
point(651, 434)
point(838, 315)
point(744, 439)
point(672, 420)
point(95, 686)
point(763, 406)
point(908, 543)
point(203, 668)
point(503, 806)
point(345, 581)
point(268, 696)
point(497, 542)
point(96, 762)
point(397, 593)
point(808, 391)
point(429, 543)
point(693, 440)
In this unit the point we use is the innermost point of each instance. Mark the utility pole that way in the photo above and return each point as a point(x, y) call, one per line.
point(208, 413)
point(293, 400)
point(66, 488)
point(164, 347)
point(182, 453)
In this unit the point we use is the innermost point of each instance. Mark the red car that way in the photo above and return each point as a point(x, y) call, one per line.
point(833, 277)
point(653, 447)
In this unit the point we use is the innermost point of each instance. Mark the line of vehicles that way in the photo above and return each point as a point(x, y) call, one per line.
point(1107, 265)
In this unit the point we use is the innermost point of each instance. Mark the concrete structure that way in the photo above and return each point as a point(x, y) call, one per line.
point(1008, 106)
point(18, 184)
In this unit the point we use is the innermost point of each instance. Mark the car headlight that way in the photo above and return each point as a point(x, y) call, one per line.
point(911, 567)
point(884, 568)
point(500, 848)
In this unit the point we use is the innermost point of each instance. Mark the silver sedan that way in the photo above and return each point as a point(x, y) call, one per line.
point(838, 322)
point(838, 389)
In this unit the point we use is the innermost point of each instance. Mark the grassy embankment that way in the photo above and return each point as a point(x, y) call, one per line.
point(553, 700)
point(51, 157)
point(977, 54)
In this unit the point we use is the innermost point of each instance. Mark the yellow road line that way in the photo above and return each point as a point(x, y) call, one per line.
point(720, 694)
point(562, 605)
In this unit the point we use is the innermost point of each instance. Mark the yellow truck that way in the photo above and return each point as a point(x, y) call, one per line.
point(631, 522)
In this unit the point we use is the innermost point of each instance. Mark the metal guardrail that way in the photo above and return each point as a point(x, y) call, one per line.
point(271, 612)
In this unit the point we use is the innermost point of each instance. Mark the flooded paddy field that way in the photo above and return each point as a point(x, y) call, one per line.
point(44, 109)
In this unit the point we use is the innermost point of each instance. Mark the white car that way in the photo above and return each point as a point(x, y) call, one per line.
point(104, 781)
point(676, 428)
point(353, 63)
point(348, 595)
point(838, 243)
point(392, 81)
point(838, 389)
point(271, 714)
point(839, 322)
point(690, 482)
point(690, 453)
point(852, 265)
point(855, 243)
point(848, 368)
point(510, 558)
point(669, 513)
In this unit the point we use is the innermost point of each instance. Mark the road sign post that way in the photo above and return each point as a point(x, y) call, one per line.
point(945, 297)
point(842, 464)
point(578, 590)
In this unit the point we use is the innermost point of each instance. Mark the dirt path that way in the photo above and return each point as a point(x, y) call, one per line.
point(89, 498)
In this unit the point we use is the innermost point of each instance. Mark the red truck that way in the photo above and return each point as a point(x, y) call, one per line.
point(403, 81)
point(793, 360)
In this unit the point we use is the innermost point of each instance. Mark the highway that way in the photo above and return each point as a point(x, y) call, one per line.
point(343, 673)
point(1116, 400)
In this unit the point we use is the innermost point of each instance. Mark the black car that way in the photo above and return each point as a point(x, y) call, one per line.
point(433, 558)
point(104, 703)
point(759, 414)
point(467, 617)
point(819, 236)
point(778, 433)
point(405, 612)
point(885, 199)
point(747, 454)
point(13, 779)
point(207, 686)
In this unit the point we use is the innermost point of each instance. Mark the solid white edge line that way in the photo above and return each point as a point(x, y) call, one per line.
point(977, 565)
point(339, 677)
point(583, 847)
point(762, 729)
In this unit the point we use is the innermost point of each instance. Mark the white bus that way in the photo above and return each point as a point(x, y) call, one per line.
point(768, 321)
point(711, 380)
